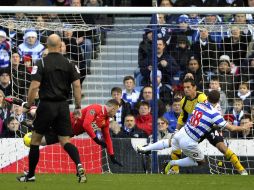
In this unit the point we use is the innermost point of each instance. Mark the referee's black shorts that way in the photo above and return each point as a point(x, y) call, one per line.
point(53, 116)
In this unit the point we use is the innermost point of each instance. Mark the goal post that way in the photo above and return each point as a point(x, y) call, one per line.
point(114, 55)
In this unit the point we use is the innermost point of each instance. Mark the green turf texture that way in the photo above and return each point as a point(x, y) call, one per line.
point(130, 181)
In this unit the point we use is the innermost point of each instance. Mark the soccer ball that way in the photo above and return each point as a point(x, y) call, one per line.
point(27, 139)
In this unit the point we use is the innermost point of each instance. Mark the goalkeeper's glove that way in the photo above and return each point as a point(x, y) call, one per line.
point(114, 161)
point(99, 142)
point(12, 100)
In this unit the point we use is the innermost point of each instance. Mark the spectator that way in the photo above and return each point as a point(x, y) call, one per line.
point(18, 113)
point(206, 49)
point(237, 111)
point(130, 129)
point(182, 52)
point(247, 133)
point(166, 63)
point(146, 94)
point(145, 57)
point(252, 112)
point(244, 94)
point(5, 108)
point(31, 46)
point(164, 92)
point(194, 67)
point(173, 114)
point(170, 18)
point(215, 85)
point(73, 51)
point(4, 51)
point(228, 81)
point(144, 118)
point(236, 46)
point(247, 72)
point(163, 128)
point(124, 108)
point(12, 128)
point(5, 82)
point(129, 94)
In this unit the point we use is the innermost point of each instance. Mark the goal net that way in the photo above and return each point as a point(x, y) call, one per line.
point(216, 55)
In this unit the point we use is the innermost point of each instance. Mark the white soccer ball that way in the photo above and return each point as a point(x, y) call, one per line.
point(27, 139)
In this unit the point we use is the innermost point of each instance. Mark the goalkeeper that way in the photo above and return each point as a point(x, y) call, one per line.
point(94, 117)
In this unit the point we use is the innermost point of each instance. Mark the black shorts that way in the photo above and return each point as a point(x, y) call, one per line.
point(53, 116)
point(214, 138)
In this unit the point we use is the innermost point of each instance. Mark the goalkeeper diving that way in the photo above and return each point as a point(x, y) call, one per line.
point(94, 118)
point(202, 121)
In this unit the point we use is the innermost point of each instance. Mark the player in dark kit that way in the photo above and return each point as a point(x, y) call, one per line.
point(53, 76)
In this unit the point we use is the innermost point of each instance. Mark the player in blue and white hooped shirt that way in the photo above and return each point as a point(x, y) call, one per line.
point(203, 120)
point(199, 126)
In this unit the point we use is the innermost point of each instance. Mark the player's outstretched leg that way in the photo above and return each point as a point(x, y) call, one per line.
point(159, 145)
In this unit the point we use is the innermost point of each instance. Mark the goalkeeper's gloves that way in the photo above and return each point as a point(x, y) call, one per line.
point(99, 142)
point(114, 161)
point(12, 100)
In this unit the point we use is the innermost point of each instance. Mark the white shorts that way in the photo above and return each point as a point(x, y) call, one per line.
point(190, 148)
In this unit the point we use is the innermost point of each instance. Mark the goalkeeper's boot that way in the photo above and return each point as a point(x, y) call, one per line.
point(243, 172)
point(25, 178)
point(81, 174)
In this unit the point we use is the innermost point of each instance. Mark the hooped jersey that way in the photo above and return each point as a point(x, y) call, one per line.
point(202, 120)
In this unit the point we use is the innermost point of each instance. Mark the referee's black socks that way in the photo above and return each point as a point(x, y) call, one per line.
point(34, 155)
point(73, 152)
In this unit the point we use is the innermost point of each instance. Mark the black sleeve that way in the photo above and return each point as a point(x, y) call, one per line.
point(74, 72)
point(37, 71)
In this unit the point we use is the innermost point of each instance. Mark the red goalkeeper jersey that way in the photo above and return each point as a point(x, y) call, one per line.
point(94, 117)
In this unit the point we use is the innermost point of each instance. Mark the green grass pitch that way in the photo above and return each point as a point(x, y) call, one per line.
point(130, 181)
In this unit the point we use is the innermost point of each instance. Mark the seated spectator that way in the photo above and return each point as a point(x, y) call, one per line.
point(173, 114)
point(245, 95)
point(114, 129)
point(228, 81)
point(237, 111)
point(31, 46)
point(146, 94)
point(129, 94)
point(164, 92)
point(215, 85)
point(194, 67)
point(125, 107)
point(145, 57)
point(166, 63)
point(130, 130)
point(230, 119)
point(205, 49)
point(236, 46)
point(244, 134)
point(144, 118)
point(5, 108)
point(163, 128)
point(12, 128)
point(247, 71)
point(5, 51)
point(252, 112)
point(18, 113)
point(5, 82)
point(181, 52)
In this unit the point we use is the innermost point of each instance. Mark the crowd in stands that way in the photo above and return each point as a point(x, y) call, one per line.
point(217, 56)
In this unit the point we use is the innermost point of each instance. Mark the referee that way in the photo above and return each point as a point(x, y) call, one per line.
point(53, 76)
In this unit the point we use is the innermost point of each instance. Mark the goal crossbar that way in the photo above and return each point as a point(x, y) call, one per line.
point(125, 10)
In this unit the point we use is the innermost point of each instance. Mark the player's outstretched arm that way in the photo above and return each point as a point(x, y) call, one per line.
point(234, 128)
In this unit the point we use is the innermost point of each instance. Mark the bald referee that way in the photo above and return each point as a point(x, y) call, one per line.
point(53, 76)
